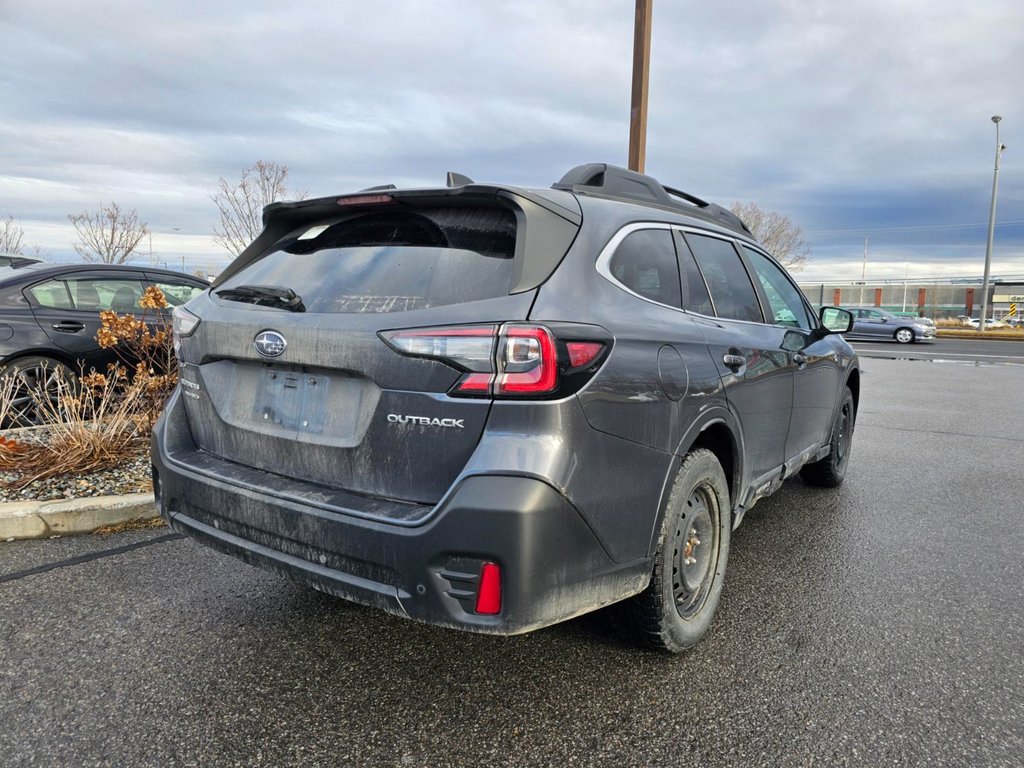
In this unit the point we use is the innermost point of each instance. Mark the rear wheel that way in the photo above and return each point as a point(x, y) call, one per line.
point(677, 607)
point(904, 335)
point(830, 471)
point(31, 379)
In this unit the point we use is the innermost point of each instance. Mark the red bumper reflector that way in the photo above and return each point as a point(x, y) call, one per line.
point(583, 352)
point(488, 597)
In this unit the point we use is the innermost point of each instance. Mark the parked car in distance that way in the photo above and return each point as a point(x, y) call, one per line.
point(493, 408)
point(15, 260)
point(876, 324)
point(49, 316)
point(974, 322)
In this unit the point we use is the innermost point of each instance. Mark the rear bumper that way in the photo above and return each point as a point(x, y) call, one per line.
point(552, 565)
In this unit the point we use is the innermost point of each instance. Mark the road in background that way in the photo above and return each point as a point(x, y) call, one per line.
point(876, 624)
point(962, 350)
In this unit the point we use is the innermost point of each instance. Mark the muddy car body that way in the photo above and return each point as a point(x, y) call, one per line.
point(493, 408)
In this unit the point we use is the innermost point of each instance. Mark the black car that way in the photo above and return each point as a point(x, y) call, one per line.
point(494, 408)
point(49, 316)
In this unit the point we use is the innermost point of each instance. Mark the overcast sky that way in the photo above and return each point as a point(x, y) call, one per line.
point(852, 118)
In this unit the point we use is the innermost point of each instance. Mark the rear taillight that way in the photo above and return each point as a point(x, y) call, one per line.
point(510, 360)
point(183, 325)
point(527, 361)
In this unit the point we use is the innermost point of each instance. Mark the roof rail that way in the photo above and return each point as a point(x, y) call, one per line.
point(623, 184)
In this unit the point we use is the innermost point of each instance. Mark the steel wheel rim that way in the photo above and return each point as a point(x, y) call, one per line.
point(904, 336)
point(844, 435)
point(24, 409)
point(695, 545)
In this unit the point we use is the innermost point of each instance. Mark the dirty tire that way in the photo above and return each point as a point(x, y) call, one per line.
point(31, 374)
point(677, 607)
point(904, 335)
point(830, 471)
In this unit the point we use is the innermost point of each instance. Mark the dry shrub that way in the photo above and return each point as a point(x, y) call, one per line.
point(93, 426)
point(105, 418)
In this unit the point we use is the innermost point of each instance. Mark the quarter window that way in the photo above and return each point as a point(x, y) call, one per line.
point(784, 298)
point(726, 277)
point(53, 294)
point(645, 262)
point(177, 293)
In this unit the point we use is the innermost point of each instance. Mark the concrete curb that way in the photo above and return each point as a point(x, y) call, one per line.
point(43, 519)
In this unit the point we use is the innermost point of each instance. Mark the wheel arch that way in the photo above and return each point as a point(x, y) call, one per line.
point(719, 432)
point(62, 357)
point(853, 382)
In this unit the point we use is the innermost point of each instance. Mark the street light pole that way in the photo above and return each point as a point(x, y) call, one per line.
point(991, 228)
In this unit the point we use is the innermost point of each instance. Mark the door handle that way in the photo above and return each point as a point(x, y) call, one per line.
point(735, 362)
point(68, 326)
point(800, 359)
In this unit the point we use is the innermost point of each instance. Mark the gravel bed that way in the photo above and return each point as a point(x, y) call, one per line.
point(130, 476)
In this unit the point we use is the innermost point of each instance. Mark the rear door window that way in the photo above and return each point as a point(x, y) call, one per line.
point(645, 262)
point(726, 277)
point(98, 294)
point(392, 262)
point(695, 291)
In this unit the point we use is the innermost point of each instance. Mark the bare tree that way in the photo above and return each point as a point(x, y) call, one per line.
point(36, 251)
point(241, 205)
point(776, 233)
point(109, 235)
point(10, 235)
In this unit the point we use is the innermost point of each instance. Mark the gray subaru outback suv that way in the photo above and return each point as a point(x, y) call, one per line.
point(494, 409)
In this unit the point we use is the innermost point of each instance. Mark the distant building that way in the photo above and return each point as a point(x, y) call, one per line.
point(934, 300)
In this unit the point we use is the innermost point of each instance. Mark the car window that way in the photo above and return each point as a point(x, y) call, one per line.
point(784, 298)
point(53, 294)
point(726, 277)
point(177, 293)
point(393, 261)
point(874, 315)
point(695, 291)
point(645, 262)
point(98, 294)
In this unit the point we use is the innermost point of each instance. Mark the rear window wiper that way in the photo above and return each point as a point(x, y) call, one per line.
point(265, 295)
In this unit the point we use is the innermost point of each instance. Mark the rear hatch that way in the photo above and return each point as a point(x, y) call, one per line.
point(292, 369)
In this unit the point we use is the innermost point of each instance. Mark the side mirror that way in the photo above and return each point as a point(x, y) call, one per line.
point(835, 320)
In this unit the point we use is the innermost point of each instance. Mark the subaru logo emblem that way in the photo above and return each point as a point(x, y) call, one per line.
point(269, 343)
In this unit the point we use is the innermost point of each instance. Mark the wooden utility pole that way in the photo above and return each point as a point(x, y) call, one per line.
point(641, 73)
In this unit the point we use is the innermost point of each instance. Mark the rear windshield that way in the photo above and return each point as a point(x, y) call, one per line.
point(392, 262)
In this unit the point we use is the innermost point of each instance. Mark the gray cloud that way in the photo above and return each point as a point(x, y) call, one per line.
point(864, 115)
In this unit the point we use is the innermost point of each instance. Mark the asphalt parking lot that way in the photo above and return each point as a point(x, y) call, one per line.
point(877, 624)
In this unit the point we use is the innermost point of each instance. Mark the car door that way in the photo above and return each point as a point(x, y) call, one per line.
point(817, 368)
point(757, 373)
point(874, 324)
point(68, 310)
